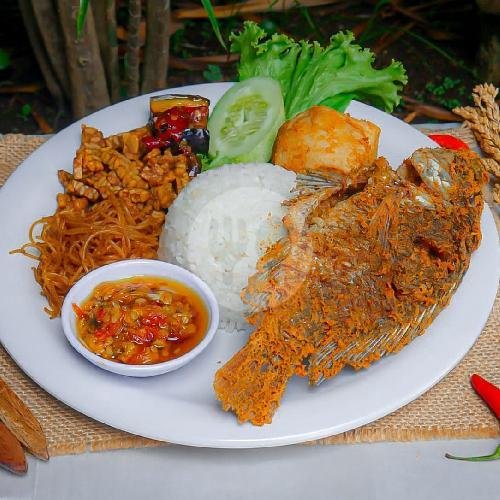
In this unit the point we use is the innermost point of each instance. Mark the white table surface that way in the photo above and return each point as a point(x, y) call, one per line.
point(416, 470)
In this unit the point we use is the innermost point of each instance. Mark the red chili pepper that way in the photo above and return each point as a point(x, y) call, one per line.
point(79, 311)
point(491, 396)
point(489, 392)
point(108, 330)
point(448, 141)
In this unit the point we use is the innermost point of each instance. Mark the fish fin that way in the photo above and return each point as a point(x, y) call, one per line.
point(385, 220)
point(256, 295)
point(313, 181)
point(279, 276)
point(394, 340)
point(361, 353)
point(253, 381)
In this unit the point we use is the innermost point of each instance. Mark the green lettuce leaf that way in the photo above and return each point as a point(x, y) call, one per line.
point(274, 57)
point(313, 75)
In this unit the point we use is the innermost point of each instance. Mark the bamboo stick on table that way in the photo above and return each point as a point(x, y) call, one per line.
point(18, 418)
point(12, 455)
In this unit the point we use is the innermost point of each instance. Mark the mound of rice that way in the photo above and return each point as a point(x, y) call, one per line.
point(222, 223)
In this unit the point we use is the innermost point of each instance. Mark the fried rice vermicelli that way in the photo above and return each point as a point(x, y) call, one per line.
point(74, 241)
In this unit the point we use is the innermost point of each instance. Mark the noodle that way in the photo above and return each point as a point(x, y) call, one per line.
point(74, 241)
point(113, 208)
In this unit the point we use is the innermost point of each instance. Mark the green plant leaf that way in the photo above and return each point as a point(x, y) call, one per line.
point(213, 73)
point(310, 74)
point(484, 458)
point(4, 59)
point(26, 111)
point(81, 16)
point(207, 5)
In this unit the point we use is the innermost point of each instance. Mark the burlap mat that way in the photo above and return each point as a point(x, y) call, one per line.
point(449, 410)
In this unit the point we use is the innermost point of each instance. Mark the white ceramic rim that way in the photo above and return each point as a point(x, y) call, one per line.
point(127, 269)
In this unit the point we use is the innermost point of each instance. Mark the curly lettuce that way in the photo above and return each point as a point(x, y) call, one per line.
point(310, 74)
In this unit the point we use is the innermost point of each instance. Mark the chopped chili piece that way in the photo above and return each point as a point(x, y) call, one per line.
point(78, 311)
point(99, 315)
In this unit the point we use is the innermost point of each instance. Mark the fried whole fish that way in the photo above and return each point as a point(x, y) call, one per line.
point(367, 265)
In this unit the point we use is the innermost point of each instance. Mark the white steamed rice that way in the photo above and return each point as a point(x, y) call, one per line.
point(222, 222)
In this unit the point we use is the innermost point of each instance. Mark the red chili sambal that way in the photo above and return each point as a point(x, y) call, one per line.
point(141, 320)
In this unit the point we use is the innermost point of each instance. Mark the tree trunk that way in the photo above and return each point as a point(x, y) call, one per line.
point(86, 72)
point(133, 47)
point(50, 30)
point(489, 49)
point(105, 24)
point(39, 50)
point(157, 45)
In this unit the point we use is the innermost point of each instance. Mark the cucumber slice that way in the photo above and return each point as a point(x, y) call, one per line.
point(245, 121)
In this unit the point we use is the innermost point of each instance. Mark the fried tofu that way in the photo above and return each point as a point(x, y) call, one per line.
point(322, 139)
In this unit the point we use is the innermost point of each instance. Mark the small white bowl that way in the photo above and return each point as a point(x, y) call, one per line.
point(127, 269)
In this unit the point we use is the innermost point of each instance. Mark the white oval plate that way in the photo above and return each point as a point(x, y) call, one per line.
point(180, 407)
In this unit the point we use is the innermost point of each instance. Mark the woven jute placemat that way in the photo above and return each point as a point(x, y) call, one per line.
point(449, 410)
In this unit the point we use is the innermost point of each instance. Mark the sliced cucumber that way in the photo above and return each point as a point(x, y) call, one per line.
point(245, 121)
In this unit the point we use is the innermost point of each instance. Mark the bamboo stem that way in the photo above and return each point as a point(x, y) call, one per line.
point(157, 45)
point(133, 47)
point(105, 22)
point(39, 50)
point(429, 110)
point(248, 7)
point(196, 63)
point(50, 30)
point(84, 64)
point(29, 88)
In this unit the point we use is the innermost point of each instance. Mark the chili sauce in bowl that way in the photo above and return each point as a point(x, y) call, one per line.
point(140, 317)
point(141, 320)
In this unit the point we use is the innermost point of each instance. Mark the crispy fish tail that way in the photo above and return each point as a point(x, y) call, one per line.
point(252, 382)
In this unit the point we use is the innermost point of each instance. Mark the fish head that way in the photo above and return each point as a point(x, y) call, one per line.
point(444, 172)
point(430, 166)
